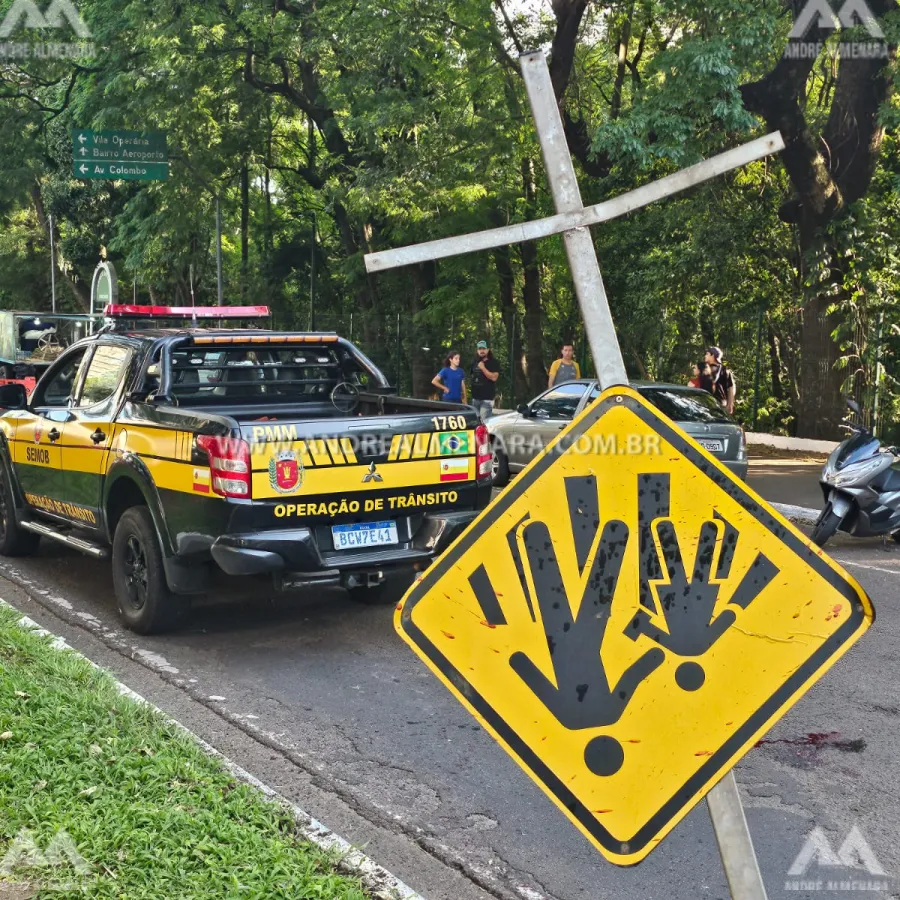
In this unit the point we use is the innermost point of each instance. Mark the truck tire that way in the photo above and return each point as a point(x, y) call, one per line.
point(146, 604)
point(13, 540)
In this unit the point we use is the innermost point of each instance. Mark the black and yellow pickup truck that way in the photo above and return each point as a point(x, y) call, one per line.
point(171, 450)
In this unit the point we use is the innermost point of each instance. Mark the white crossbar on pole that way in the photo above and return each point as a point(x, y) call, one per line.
point(591, 215)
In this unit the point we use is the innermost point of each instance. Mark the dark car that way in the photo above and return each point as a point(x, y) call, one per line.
point(518, 437)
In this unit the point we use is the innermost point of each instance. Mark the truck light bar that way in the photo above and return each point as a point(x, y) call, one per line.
point(271, 339)
point(119, 310)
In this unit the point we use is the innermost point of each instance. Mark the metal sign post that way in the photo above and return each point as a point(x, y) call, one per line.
point(724, 801)
point(572, 220)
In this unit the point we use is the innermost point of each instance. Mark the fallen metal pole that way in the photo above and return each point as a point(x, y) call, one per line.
point(591, 215)
point(589, 287)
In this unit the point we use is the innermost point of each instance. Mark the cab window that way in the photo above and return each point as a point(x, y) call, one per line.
point(107, 370)
point(60, 387)
point(559, 403)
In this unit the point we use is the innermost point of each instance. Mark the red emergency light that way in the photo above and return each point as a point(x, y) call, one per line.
point(120, 310)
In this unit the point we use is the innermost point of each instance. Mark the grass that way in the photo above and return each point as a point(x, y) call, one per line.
point(152, 815)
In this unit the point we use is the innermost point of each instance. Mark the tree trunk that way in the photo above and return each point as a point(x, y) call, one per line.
point(775, 365)
point(829, 170)
point(621, 64)
point(536, 374)
point(515, 375)
point(820, 408)
point(422, 370)
point(245, 226)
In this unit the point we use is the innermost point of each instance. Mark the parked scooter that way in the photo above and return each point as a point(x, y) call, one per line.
point(861, 483)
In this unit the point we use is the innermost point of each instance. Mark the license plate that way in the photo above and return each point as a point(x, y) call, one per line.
point(712, 446)
point(371, 534)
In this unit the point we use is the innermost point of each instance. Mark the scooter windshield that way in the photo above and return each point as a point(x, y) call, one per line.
point(860, 447)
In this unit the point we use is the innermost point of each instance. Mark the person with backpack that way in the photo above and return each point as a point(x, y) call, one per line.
point(724, 387)
point(484, 375)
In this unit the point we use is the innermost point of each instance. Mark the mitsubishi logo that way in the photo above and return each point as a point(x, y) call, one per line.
point(372, 475)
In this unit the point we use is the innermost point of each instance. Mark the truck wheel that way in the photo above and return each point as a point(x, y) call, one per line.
point(146, 604)
point(13, 540)
point(499, 467)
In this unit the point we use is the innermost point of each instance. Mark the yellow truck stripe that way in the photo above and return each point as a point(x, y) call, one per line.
point(347, 447)
point(319, 453)
point(334, 448)
point(421, 443)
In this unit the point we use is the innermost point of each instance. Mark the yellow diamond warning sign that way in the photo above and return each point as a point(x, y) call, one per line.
point(628, 624)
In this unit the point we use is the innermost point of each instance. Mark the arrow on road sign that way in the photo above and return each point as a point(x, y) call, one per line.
point(83, 169)
point(81, 138)
point(83, 151)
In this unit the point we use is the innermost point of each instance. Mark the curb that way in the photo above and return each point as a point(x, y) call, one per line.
point(799, 515)
point(375, 879)
point(786, 443)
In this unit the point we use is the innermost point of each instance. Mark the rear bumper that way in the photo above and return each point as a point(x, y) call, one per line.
point(296, 553)
point(738, 468)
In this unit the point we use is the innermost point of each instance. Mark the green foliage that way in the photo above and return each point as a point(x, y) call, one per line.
point(403, 121)
point(149, 813)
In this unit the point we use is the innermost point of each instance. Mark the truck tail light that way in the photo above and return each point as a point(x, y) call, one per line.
point(483, 453)
point(229, 463)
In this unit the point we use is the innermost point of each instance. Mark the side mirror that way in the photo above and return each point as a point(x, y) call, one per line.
point(13, 396)
point(854, 406)
point(524, 410)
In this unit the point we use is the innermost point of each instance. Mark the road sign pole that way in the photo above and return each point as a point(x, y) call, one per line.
point(52, 266)
point(589, 286)
point(735, 844)
point(219, 277)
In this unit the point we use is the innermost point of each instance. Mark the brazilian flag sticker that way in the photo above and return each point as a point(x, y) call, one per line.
point(455, 444)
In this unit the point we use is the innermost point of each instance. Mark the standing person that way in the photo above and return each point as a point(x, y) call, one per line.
point(702, 378)
point(484, 374)
point(724, 387)
point(564, 369)
point(451, 379)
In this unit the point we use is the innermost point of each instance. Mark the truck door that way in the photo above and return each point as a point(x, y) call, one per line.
point(40, 435)
point(89, 432)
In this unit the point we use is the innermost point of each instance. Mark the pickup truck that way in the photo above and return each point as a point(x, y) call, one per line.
point(285, 455)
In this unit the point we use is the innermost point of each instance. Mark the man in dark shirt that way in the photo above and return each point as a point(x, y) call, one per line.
point(484, 375)
point(724, 388)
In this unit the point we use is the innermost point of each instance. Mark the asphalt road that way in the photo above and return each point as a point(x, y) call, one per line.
point(317, 696)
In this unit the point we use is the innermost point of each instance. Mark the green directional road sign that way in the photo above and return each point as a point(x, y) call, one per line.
point(126, 155)
point(124, 171)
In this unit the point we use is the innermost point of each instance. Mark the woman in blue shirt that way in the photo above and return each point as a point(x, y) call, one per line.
point(451, 380)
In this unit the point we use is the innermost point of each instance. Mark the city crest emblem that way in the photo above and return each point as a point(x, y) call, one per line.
point(285, 472)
